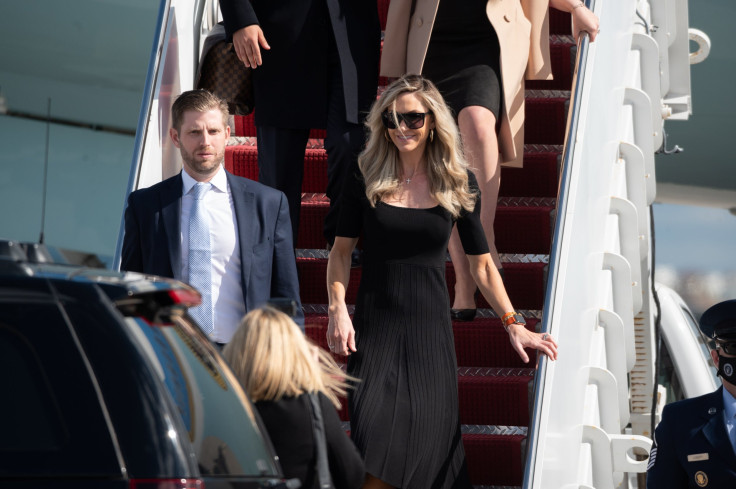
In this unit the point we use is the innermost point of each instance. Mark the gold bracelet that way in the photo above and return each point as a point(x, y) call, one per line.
point(581, 4)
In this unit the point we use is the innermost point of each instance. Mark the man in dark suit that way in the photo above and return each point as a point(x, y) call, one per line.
point(247, 256)
point(695, 443)
point(317, 67)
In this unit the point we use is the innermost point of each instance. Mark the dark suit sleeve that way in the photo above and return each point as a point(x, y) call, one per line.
point(664, 468)
point(237, 14)
point(346, 465)
point(131, 255)
point(284, 277)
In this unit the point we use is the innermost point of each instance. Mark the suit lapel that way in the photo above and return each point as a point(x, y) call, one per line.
point(171, 214)
point(245, 217)
point(349, 71)
point(714, 429)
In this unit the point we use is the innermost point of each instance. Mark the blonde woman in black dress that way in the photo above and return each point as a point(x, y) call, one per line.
point(412, 188)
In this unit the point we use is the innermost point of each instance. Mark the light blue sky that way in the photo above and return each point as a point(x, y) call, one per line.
point(690, 238)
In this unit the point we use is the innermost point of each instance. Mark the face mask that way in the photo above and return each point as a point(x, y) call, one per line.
point(727, 368)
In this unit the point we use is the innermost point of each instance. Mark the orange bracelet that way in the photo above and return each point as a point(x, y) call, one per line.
point(506, 317)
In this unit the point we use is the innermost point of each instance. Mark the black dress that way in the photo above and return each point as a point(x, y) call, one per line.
point(404, 415)
point(463, 56)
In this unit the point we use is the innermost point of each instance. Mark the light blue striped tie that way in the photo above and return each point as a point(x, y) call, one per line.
point(200, 257)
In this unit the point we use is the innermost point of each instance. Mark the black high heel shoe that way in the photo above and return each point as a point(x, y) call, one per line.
point(463, 314)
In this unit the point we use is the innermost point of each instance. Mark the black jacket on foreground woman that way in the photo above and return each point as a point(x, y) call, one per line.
point(289, 425)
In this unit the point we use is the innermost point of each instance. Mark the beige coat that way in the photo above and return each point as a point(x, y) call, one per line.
point(522, 27)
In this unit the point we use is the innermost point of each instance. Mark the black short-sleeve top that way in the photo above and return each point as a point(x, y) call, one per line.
point(410, 235)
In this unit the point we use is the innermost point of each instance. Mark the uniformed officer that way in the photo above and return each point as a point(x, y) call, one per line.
point(695, 443)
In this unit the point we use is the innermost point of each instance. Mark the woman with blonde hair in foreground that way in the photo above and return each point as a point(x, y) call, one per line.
point(278, 368)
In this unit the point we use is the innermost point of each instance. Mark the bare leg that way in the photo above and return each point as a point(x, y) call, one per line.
point(372, 482)
point(477, 128)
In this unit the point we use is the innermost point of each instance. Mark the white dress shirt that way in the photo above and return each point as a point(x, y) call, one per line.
point(729, 412)
point(226, 287)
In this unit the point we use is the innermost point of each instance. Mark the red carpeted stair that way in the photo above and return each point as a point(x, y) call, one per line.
point(495, 387)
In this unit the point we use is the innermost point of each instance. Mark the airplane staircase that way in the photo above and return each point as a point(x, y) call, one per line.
point(573, 227)
point(494, 385)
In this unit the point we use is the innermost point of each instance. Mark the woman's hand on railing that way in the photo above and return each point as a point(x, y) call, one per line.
point(521, 338)
point(583, 20)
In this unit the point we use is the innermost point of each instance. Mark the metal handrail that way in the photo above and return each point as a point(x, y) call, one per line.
point(571, 130)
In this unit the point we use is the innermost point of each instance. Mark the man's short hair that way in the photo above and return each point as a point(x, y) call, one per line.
point(198, 101)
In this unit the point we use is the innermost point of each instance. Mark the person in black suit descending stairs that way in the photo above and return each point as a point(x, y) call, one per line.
point(315, 66)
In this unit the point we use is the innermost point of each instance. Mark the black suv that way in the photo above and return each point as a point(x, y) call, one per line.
point(108, 383)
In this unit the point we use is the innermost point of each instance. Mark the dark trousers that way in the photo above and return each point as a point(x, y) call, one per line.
point(281, 152)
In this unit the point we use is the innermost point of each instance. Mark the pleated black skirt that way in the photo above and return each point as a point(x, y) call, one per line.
point(404, 413)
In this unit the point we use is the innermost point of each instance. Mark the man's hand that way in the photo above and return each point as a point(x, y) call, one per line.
point(248, 42)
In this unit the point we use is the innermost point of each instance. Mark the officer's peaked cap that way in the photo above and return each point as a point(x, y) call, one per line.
point(719, 321)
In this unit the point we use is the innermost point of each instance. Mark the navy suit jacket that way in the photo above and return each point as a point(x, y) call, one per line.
point(268, 268)
point(691, 446)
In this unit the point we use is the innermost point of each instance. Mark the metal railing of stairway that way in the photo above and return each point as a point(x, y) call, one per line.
point(588, 415)
point(573, 120)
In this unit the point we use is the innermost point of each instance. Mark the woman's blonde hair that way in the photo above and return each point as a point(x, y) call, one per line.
point(272, 359)
point(446, 165)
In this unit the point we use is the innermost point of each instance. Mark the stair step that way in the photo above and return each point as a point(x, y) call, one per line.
point(542, 106)
point(496, 398)
point(481, 343)
point(495, 459)
point(494, 455)
point(559, 22)
point(495, 395)
point(531, 220)
point(524, 283)
point(484, 343)
point(562, 57)
point(538, 177)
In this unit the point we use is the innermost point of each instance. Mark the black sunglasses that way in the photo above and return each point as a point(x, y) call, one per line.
point(413, 120)
point(728, 347)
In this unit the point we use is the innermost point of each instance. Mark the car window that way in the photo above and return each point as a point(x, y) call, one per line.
point(704, 347)
point(668, 376)
point(225, 433)
point(51, 420)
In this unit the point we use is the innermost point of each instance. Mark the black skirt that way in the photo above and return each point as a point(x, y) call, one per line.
point(463, 56)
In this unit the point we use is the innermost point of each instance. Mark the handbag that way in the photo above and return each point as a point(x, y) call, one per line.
point(223, 74)
point(318, 427)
